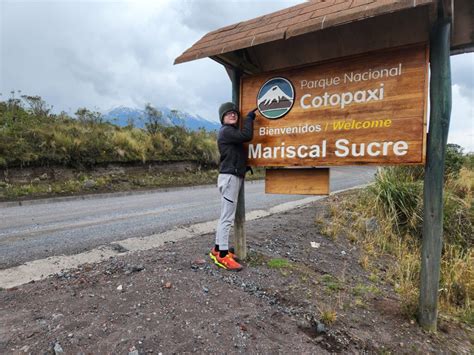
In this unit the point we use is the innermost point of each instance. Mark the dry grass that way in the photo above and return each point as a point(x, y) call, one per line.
point(395, 200)
point(328, 315)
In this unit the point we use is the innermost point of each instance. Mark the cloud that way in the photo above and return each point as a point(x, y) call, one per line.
point(102, 54)
point(462, 74)
point(207, 15)
point(461, 130)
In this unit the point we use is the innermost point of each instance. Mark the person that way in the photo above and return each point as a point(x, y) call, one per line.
point(232, 169)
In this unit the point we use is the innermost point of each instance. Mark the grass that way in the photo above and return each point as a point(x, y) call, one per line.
point(255, 259)
point(395, 200)
point(332, 283)
point(44, 139)
point(362, 290)
point(109, 183)
point(278, 263)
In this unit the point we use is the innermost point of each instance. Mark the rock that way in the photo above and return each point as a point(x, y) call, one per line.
point(168, 285)
point(137, 268)
point(118, 248)
point(56, 316)
point(120, 288)
point(371, 224)
point(58, 349)
point(89, 184)
point(134, 268)
point(44, 176)
point(205, 289)
point(320, 328)
point(315, 245)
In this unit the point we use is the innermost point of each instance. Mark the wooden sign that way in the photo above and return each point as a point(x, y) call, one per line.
point(299, 181)
point(367, 109)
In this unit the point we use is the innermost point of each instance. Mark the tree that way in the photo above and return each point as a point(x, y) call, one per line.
point(154, 119)
point(86, 116)
point(37, 105)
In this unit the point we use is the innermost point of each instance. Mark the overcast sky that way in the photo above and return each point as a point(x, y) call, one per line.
point(103, 54)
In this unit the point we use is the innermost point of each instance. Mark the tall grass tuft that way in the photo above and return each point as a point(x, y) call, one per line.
point(398, 196)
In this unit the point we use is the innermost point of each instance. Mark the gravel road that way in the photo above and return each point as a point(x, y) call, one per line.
point(40, 230)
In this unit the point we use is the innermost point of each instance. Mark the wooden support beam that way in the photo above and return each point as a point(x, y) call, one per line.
point(440, 103)
point(237, 59)
point(240, 240)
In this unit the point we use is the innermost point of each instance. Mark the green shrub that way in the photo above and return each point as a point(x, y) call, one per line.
point(454, 160)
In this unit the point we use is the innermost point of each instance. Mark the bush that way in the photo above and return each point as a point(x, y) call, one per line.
point(34, 136)
point(454, 160)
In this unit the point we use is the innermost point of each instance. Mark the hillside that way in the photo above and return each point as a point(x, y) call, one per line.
point(123, 116)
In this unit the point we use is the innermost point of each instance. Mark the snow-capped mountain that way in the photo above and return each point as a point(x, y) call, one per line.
point(123, 116)
point(274, 94)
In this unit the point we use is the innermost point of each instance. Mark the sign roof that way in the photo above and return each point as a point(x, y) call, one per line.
point(294, 21)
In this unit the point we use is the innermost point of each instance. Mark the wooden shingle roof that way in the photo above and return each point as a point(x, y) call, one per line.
point(297, 20)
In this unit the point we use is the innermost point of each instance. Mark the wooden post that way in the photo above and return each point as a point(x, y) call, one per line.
point(240, 240)
point(440, 105)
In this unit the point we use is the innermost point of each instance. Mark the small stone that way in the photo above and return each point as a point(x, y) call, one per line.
point(58, 349)
point(320, 328)
point(343, 252)
point(315, 245)
point(89, 184)
point(371, 224)
point(70, 335)
point(168, 285)
point(57, 316)
point(120, 288)
point(205, 289)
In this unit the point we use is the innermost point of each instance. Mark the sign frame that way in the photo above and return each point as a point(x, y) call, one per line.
point(422, 139)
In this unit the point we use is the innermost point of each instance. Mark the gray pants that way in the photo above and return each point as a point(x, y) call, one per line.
point(229, 186)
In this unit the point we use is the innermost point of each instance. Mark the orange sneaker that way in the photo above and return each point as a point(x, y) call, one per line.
point(216, 253)
point(227, 262)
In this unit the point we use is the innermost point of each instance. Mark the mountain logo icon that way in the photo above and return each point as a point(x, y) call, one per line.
point(275, 98)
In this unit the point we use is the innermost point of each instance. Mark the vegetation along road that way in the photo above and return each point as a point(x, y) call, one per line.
point(39, 230)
